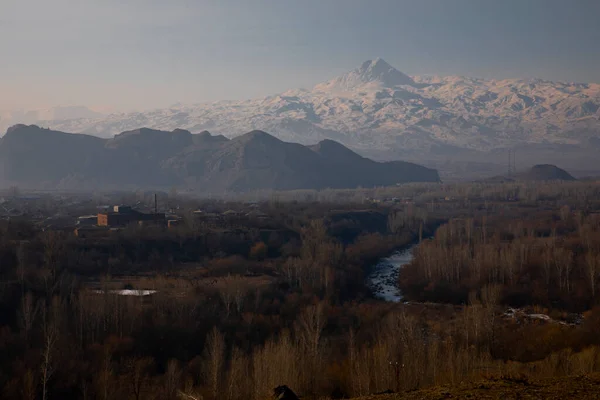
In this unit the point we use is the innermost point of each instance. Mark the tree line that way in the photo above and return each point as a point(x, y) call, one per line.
point(244, 308)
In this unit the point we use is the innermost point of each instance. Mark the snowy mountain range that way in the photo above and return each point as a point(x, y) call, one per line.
point(61, 113)
point(376, 108)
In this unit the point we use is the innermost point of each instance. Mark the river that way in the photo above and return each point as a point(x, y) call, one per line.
point(383, 279)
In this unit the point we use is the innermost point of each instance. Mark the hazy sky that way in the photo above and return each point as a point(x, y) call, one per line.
point(139, 54)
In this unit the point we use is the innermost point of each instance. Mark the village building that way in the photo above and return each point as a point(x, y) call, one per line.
point(122, 216)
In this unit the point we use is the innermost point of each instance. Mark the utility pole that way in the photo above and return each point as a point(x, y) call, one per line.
point(514, 161)
point(510, 164)
point(508, 171)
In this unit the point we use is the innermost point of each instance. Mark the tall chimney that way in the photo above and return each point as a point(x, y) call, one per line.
point(155, 204)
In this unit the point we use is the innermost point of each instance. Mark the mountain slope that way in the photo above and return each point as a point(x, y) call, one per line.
point(34, 157)
point(569, 387)
point(377, 108)
point(545, 172)
point(28, 153)
point(541, 172)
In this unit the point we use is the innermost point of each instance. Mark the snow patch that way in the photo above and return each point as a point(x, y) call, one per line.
point(129, 292)
point(521, 315)
point(377, 107)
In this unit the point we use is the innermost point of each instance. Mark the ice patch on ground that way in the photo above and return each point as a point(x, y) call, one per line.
point(129, 292)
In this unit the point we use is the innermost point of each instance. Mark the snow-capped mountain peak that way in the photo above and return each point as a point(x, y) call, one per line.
point(375, 72)
point(379, 70)
point(375, 107)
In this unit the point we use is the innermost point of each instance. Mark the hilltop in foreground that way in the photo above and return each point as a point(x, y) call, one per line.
point(577, 387)
point(33, 157)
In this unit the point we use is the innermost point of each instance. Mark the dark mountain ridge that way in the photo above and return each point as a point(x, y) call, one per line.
point(540, 172)
point(34, 157)
point(545, 172)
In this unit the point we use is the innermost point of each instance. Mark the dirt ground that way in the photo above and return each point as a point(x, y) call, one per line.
point(577, 387)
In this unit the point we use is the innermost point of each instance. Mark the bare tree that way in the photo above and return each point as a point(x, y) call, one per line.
point(312, 237)
point(236, 373)
point(309, 329)
point(172, 380)
point(54, 248)
point(47, 365)
point(189, 392)
point(490, 297)
point(547, 261)
point(563, 262)
point(277, 361)
point(27, 315)
point(233, 290)
point(139, 375)
point(592, 264)
point(29, 383)
point(104, 376)
point(565, 213)
point(353, 361)
point(240, 289)
point(215, 360)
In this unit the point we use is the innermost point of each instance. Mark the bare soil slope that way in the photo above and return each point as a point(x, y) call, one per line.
point(576, 387)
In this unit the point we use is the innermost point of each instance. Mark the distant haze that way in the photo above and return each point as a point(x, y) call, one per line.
point(140, 54)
